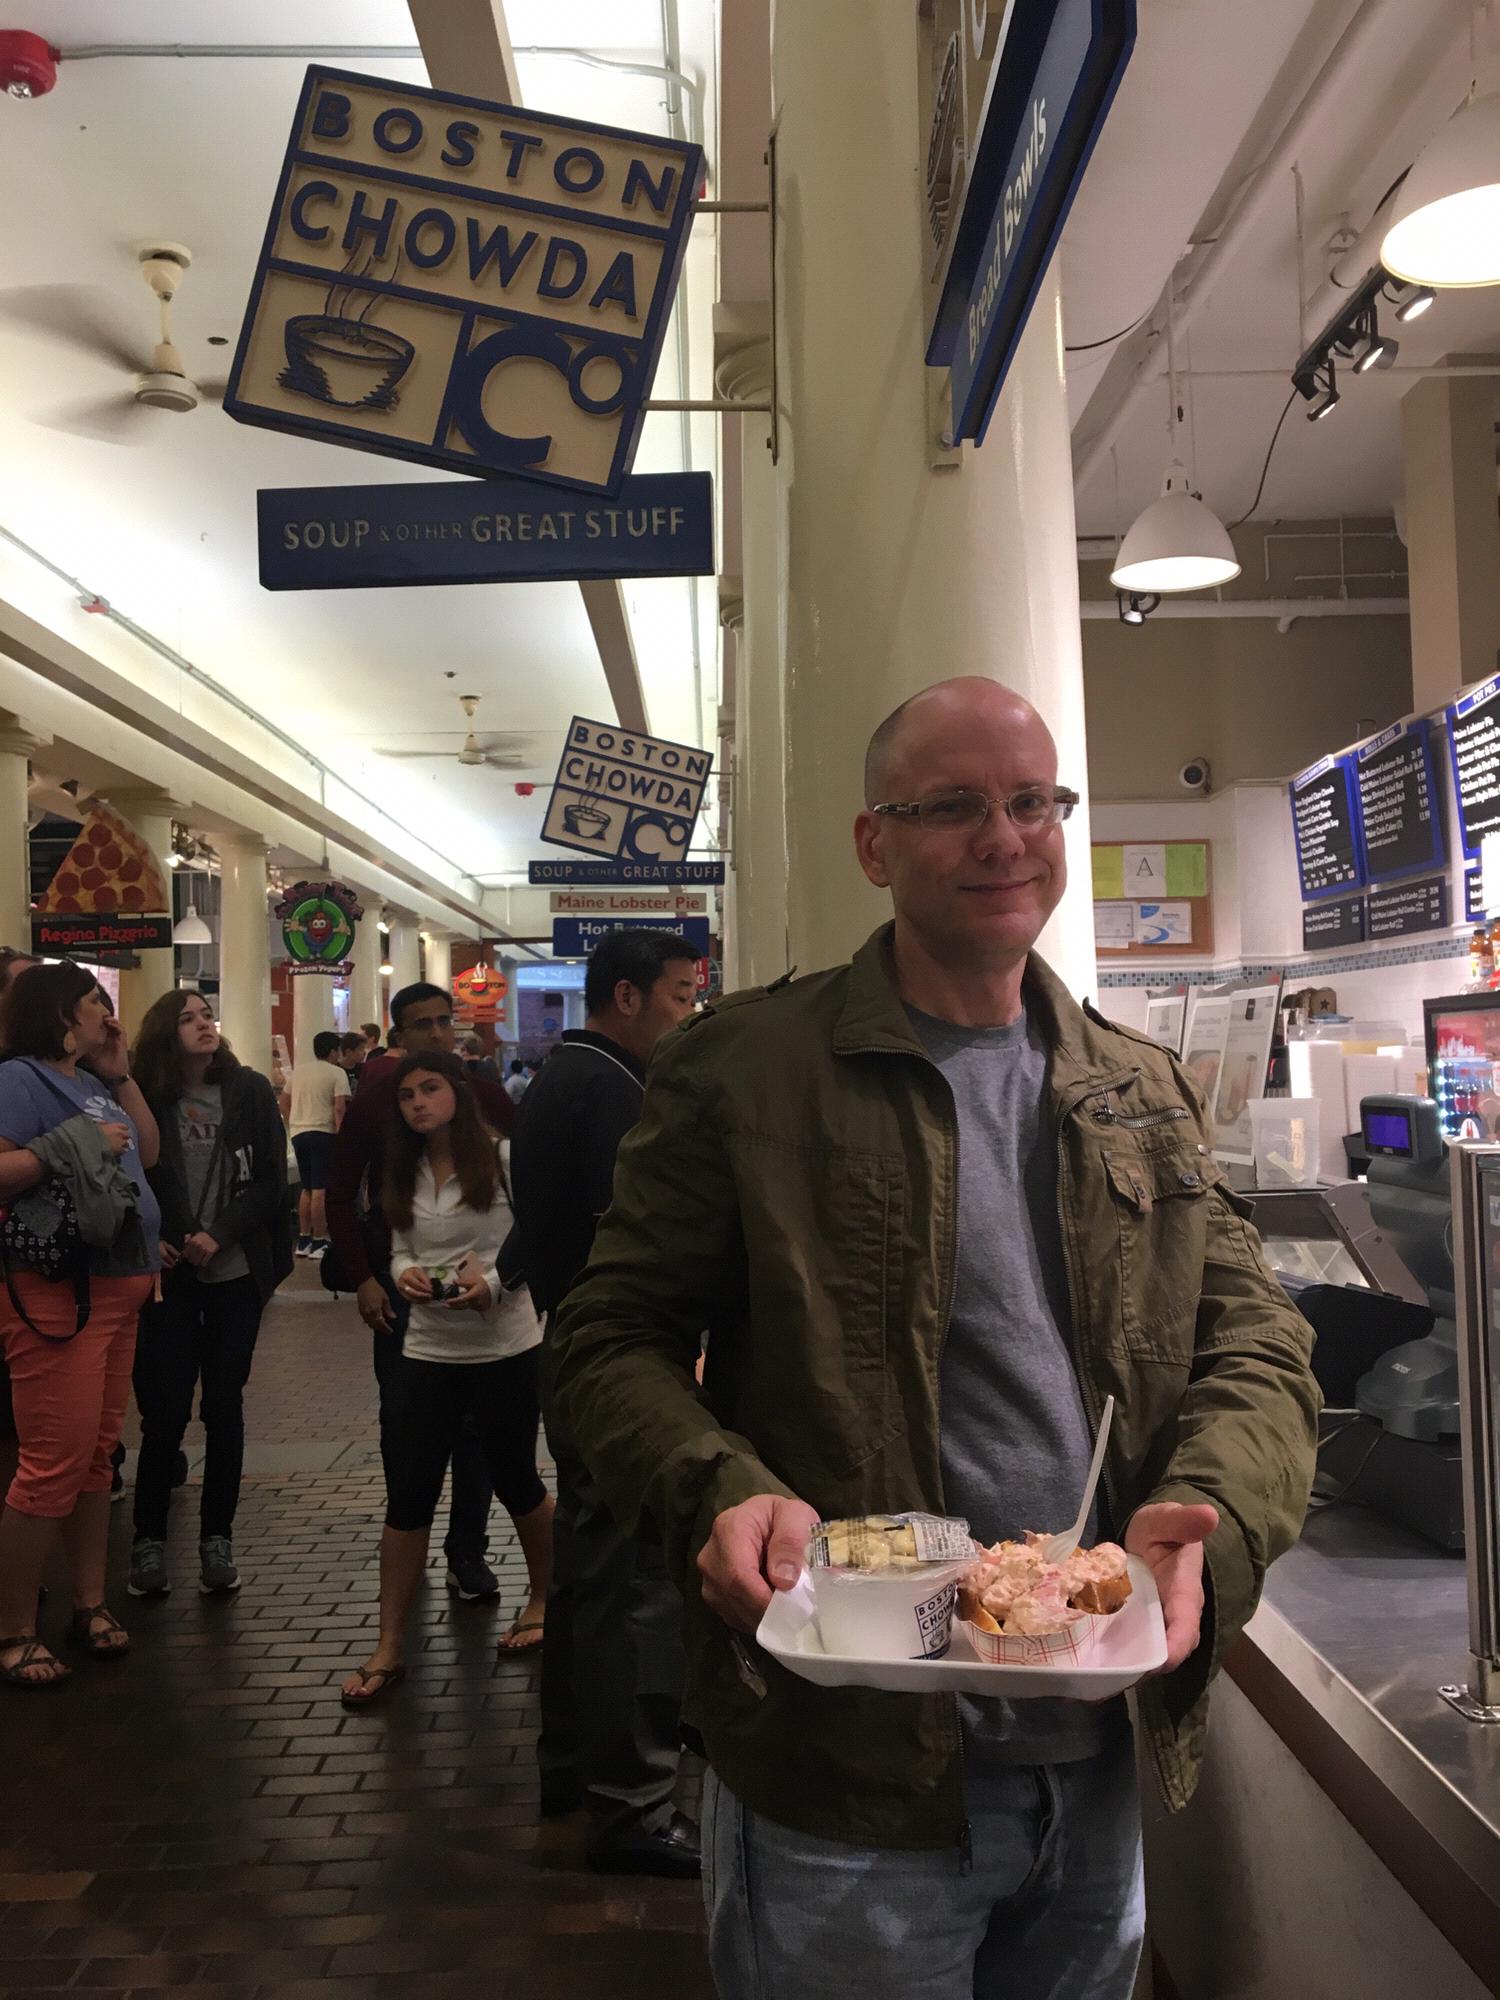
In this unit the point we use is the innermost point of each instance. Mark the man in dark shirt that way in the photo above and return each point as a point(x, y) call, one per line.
point(421, 1022)
point(612, 1658)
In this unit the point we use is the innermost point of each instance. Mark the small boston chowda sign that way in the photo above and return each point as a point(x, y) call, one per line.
point(464, 283)
point(489, 531)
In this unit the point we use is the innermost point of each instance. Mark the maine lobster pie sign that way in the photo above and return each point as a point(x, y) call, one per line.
point(462, 283)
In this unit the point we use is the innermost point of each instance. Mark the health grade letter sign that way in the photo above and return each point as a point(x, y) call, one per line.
point(465, 284)
point(623, 794)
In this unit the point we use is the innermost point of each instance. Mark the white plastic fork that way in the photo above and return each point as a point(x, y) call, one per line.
point(1057, 1548)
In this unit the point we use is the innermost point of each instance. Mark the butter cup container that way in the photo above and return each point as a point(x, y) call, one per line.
point(892, 1614)
point(1066, 1648)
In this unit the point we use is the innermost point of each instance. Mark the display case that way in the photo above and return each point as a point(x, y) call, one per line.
point(1476, 1258)
point(1463, 1051)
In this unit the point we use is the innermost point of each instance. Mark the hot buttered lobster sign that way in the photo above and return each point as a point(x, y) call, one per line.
point(466, 284)
point(317, 926)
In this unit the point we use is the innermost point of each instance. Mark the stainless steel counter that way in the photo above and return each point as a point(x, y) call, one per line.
point(1360, 1624)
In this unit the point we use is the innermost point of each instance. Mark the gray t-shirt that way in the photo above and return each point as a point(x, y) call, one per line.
point(1015, 1437)
point(200, 1112)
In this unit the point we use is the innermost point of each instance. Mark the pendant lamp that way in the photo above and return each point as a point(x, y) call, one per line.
point(191, 929)
point(1445, 226)
point(1178, 543)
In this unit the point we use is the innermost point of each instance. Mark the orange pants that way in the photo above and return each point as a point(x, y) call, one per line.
point(69, 1395)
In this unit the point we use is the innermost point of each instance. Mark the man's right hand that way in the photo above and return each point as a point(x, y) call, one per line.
point(756, 1547)
point(375, 1306)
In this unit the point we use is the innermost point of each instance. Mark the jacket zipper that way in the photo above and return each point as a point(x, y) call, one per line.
point(1093, 1407)
point(965, 1831)
point(1105, 1114)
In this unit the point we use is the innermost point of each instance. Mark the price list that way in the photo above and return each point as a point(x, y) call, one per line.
point(1474, 739)
point(1336, 921)
point(1408, 908)
point(1398, 812)
point(1324, 819)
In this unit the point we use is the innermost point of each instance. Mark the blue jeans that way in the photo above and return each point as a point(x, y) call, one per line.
point(1052, 1907)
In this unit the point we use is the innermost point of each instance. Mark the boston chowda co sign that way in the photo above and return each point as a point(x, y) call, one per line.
point(465, 284)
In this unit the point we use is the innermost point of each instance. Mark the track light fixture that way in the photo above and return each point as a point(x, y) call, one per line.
point(1371, 348)
point(1136, 606)
point(1355, 336)
point(1410, 301)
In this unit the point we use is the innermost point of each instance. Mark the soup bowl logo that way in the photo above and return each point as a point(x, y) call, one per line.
point(337, 356)
point(586, 818)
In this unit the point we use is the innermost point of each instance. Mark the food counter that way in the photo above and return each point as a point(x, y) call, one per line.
point(1346, 1836)
point(1345, 1839)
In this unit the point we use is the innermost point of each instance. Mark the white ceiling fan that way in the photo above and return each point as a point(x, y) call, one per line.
point(79, 316)
point(501, 750)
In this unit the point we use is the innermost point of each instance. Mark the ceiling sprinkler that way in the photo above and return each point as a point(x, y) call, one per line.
point(28, 63)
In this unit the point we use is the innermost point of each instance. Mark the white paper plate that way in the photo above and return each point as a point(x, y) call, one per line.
point(1129, 1645)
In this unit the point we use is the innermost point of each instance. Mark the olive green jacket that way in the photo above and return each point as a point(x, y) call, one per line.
point(792, 1186)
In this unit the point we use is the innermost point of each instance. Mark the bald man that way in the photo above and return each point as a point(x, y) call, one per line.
point(932, 1212)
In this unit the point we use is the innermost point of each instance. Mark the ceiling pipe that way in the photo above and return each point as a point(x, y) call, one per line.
point(1285, 610)
point(1265, 187)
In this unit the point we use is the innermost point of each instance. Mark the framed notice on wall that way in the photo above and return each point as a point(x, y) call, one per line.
point(1152, 896)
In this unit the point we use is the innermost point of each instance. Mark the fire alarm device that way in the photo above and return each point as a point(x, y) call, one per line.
point(28, 63)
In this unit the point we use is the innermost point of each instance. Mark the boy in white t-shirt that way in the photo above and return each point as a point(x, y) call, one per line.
point(313, 1104)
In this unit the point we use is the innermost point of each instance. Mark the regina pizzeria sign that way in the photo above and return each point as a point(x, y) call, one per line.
point(462, 283)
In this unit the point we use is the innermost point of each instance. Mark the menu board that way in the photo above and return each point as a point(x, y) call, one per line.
point(1325, 819)
point(1331, 923)
point(1474, 744)
point(1399, 819)
point(1409, 908)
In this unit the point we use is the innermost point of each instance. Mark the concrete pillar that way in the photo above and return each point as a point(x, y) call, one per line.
point(312, 1012)
point(1452, 534)
point(17, 746)
point(437, 959)
point(895, 572)
point(366, 987)
point(404, 950)
point(244, 949)
point(150, 814)
point(742, 350)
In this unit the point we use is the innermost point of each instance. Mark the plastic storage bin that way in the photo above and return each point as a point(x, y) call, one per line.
point(1285, 1141)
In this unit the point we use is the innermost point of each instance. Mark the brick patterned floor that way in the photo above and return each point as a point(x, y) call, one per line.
point(204, 1818)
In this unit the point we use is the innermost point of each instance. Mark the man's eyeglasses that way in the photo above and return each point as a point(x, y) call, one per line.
point(956, 812)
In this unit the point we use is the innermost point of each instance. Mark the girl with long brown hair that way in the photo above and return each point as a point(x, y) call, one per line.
point(469, 1352)
point(225, 1245)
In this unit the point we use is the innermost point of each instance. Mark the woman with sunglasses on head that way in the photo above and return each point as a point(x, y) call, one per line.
point(226, 1246)
point(470, 1350)
point(65, 1087)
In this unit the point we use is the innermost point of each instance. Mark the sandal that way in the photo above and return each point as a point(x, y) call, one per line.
point(33, 1654)
point(97, 1644)
point(375, 1684)
point(510, 1641)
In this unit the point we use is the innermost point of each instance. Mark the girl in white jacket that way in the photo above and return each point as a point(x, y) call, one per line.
point(470, 1350)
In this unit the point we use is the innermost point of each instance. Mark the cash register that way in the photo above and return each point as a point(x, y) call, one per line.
point(1370, 1266)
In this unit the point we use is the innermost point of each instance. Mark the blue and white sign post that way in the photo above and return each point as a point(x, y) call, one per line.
point(1055, 77)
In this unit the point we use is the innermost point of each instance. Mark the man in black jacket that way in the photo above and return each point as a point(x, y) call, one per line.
point(612, 1657)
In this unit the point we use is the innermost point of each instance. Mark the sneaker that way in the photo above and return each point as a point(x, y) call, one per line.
point(148, 1569)
point(317, 1248)
point(304, 1246)
point(218, 1574)
point(471, 1578)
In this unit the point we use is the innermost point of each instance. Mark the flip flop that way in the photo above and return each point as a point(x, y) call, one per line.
point(97, 1644)
point(33, 1654)
point(375, 1683)
point(505, 1645)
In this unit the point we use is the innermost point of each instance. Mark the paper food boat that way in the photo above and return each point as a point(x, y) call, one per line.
point(1055, 1649)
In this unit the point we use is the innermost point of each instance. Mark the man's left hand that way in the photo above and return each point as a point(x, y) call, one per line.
point(1169, 1539)
point(200, 1248)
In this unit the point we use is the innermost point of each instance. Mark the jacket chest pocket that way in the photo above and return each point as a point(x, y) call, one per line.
point(823, 1243)
point(1161, 1204)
